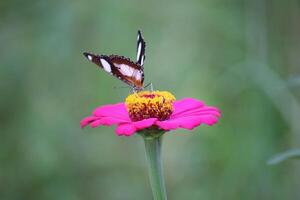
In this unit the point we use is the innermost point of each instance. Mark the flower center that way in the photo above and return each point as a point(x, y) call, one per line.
point(146, 104)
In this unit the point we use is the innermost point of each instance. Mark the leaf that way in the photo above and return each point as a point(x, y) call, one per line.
point(289, 154)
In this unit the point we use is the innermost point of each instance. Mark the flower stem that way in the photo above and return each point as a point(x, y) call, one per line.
point(153, 154)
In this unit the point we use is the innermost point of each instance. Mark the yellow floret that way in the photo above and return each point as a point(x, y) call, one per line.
point(146, 104)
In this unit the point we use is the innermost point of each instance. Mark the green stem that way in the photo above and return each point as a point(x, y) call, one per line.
point(153, 154)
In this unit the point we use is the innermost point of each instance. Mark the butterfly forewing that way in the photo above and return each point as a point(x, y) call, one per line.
point(102, 61)
point(140, 49)
point(120, 67)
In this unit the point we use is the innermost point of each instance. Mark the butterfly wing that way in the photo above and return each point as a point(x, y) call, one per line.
point(123, 68)
point(140, 49)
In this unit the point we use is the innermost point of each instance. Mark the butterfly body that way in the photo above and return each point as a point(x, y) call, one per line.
point(131, 73)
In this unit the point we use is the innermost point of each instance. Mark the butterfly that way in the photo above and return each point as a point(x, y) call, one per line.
point(131, 73)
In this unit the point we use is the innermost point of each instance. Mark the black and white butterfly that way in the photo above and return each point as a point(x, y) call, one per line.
point(131, 73)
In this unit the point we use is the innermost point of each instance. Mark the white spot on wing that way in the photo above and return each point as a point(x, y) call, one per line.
point(139, 51)
point(90, 57)
point(125, 69)
point(129, 71)
point(138, 75)
point(142, 60)
point(106, 65)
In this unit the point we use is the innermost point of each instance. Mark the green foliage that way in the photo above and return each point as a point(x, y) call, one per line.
point(238, 55)
point(290, 154)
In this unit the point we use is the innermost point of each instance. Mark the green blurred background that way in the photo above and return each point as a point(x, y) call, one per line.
point(241, 56)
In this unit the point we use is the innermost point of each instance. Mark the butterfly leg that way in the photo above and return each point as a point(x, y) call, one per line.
point(151, 87)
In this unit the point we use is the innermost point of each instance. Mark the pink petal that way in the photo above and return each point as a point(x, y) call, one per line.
point(106, 121)
point(125, 129)
point(87, 120)
point(188, 122)
point(198, 111)
point(189, 113)
point(115, 111)
point(145, 123)
point(190, 106)
point(96, 123)
point(107, 115)
point(186, 104)
point(128, 129)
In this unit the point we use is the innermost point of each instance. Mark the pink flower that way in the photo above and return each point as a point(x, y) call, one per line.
point(187, 113)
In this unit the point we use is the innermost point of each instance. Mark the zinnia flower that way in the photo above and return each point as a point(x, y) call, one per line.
point(156, 110)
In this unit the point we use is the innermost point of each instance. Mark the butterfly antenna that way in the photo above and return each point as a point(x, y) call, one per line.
point(151, 86)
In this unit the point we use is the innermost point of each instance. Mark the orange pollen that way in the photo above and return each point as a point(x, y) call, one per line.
point(146, 104)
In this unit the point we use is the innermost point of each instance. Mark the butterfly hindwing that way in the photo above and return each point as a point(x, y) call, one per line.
point(128, 70)
point(123, 68)
point(140, 49)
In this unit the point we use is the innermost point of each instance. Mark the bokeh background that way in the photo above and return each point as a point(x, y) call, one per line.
point(239, 55)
